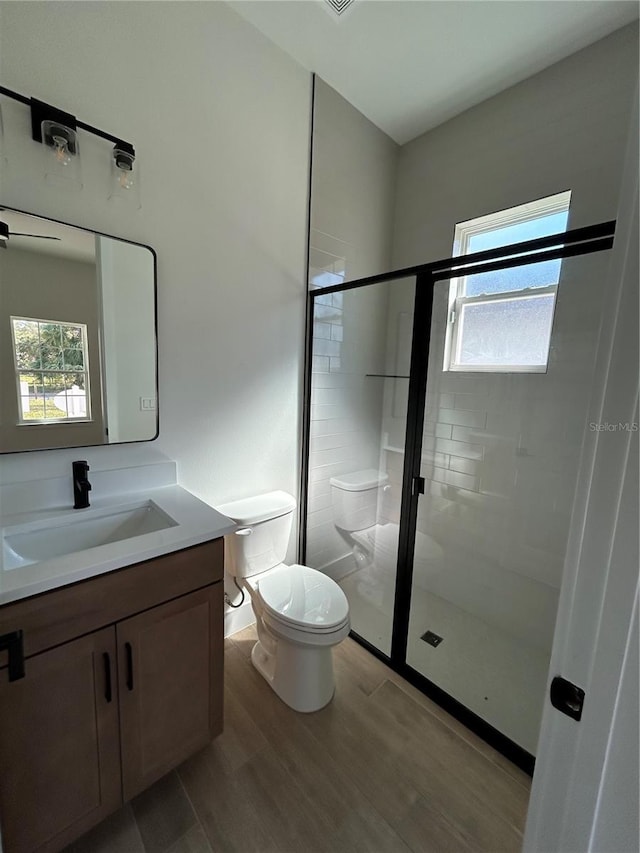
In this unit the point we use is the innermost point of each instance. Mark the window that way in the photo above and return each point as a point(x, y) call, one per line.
point(501, 321)
point(51, 370)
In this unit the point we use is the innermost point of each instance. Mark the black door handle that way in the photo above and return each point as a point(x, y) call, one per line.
point(129, 653)
point(107, 676)
point(13, 644)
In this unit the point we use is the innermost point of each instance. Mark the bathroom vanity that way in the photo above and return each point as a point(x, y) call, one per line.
point(111, 614)
point(123, 660)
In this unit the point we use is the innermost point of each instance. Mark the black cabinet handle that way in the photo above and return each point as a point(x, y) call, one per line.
point(107, 676)
point(129, 654)
point(13, 644)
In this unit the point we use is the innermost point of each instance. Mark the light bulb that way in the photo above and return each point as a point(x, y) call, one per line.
point(126, 179)
point(61, 150)
point(61, 155)
point(123, 161)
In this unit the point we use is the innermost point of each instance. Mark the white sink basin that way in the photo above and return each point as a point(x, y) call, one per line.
point(27, 544)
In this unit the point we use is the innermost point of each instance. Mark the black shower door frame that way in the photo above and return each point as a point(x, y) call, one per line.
point(581, 241)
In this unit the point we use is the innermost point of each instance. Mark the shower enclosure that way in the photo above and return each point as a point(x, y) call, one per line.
point(447, 405)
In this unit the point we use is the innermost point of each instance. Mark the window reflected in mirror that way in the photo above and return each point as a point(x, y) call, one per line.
point(52, 370)
point(77, 337)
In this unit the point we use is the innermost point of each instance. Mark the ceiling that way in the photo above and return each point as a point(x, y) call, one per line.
point(73, 243)
point(410, 65)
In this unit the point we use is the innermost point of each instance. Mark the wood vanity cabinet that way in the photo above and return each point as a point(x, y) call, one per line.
point(123, 681)
point(59, 745)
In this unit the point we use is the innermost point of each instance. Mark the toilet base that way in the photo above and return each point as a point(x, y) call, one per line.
point(301, 676)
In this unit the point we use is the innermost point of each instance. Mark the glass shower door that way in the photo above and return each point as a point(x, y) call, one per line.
point(501, 443)
point(361, 351)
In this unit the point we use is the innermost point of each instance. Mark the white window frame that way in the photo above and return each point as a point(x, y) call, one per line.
point(464, 231)
point(22, 421)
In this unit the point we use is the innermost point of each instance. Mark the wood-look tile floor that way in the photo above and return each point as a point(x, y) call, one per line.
point(380, 769)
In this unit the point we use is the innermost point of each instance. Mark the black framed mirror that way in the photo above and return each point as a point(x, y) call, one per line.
point(78, 336)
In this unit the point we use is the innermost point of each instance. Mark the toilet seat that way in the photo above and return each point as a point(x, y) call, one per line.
point(302, 599)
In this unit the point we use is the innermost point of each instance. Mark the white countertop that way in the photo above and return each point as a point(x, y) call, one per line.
point(196, 522)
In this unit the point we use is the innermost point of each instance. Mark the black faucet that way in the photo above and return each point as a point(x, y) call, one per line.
point(81, 485)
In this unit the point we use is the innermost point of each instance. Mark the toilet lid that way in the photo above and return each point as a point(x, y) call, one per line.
point(304, 597)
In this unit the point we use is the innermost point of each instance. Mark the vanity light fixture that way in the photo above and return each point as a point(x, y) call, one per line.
point(62, 155)
point(125, 183)
point(58, 132)
point(63, 141)
point(124, 157)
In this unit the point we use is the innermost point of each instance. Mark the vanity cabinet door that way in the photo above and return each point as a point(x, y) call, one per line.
point(59, 745)
point(170, 682)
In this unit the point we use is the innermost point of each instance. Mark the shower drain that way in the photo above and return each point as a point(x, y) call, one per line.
point(431, 638)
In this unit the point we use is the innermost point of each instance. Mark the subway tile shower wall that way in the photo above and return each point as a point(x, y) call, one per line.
point(500, 450)
point(349, 336)
point(501, 454)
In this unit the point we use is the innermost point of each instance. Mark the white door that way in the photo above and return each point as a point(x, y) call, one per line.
point(585, 787)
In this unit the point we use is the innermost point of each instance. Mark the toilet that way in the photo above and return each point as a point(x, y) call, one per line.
point(356, 499)
point(300, 613)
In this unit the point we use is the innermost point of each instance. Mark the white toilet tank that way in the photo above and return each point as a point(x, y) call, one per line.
point(261, 541)
point(354, 498)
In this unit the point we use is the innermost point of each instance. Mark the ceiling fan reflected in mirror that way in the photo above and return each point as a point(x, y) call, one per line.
point(5, 234)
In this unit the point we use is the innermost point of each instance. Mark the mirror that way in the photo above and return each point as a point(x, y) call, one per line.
point(78, 353)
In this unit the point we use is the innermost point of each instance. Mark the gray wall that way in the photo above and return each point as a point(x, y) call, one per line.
point(352, 189)
point(353, 184)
